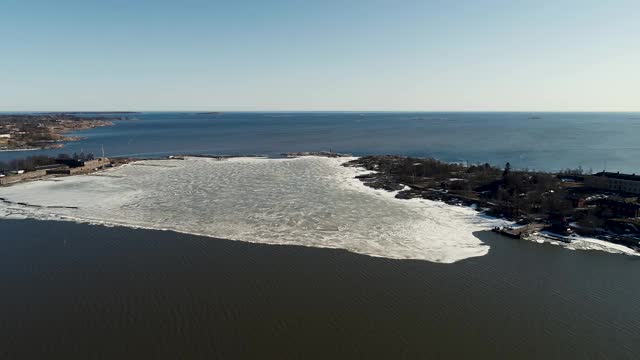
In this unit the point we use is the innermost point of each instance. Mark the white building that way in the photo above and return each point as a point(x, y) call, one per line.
point(627, 183)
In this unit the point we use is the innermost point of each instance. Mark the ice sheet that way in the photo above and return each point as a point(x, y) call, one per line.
point(309, 201)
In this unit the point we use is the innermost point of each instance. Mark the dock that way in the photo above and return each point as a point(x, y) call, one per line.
point(519, 233)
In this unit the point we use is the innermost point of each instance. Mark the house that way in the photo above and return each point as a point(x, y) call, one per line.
point(627, 183)
point(77, 163)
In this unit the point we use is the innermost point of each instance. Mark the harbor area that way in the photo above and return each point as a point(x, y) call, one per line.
point(61, 167)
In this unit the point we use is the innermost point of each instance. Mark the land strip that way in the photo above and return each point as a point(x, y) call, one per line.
point(46, 131)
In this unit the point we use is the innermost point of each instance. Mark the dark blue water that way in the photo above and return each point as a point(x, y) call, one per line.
point(76, 291)
point(547, 141)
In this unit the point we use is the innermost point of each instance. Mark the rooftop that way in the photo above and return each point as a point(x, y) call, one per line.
point(618, 175)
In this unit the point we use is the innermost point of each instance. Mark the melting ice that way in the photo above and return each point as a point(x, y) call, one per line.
point(309, 201)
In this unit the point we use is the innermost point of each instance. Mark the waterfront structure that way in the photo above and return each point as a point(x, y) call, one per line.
point(626, 183)
point(12, 179)
point(74, 167)
point(75, 163)
point(72, 163)
point(83, 167)
point(51, 167)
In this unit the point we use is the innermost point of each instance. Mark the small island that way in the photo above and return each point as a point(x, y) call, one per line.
point(46, 130)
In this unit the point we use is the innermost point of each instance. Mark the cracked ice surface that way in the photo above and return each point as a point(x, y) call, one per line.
point(309, 201)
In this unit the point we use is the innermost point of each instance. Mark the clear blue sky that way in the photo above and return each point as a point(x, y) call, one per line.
point(320, 55)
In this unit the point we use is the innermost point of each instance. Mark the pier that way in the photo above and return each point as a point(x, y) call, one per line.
point(519, 233)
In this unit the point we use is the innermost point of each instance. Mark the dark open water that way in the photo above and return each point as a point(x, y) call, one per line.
point(89, 292)
point(546, 141)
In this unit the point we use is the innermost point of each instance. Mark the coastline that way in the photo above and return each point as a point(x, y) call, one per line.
point(46, 131)
point(598, 244)
point(351, 182)
point(389, 173)
point(29, 149)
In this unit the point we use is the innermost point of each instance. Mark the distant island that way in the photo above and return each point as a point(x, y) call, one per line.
point(91, 112)
point(46, 130)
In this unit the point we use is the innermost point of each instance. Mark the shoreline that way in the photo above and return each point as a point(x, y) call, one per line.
point(13, 150)
point(354, 181)
point(599, 244)
point(384, 172)
point(47, 131)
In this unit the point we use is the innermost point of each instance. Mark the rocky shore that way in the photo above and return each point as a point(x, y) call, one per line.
point(382, 176)
point(521, 196)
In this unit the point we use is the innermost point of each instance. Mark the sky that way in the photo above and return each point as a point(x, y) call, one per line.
point(302, 55)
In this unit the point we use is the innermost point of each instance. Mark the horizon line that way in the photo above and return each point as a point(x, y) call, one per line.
point(319, 111)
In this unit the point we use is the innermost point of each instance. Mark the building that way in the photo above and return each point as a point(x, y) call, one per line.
point(620, 208)
point(77, 163)
point(60, 168)
point(97, 163)
point(5, 136)
point(578, 200)
point(626, 183)
point(72, 163)
point(74, 167)
point(51, 167)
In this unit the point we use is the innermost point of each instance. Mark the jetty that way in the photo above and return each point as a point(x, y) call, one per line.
point(520, 232)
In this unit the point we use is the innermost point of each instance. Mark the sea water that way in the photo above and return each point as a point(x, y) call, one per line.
point(546, 141)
